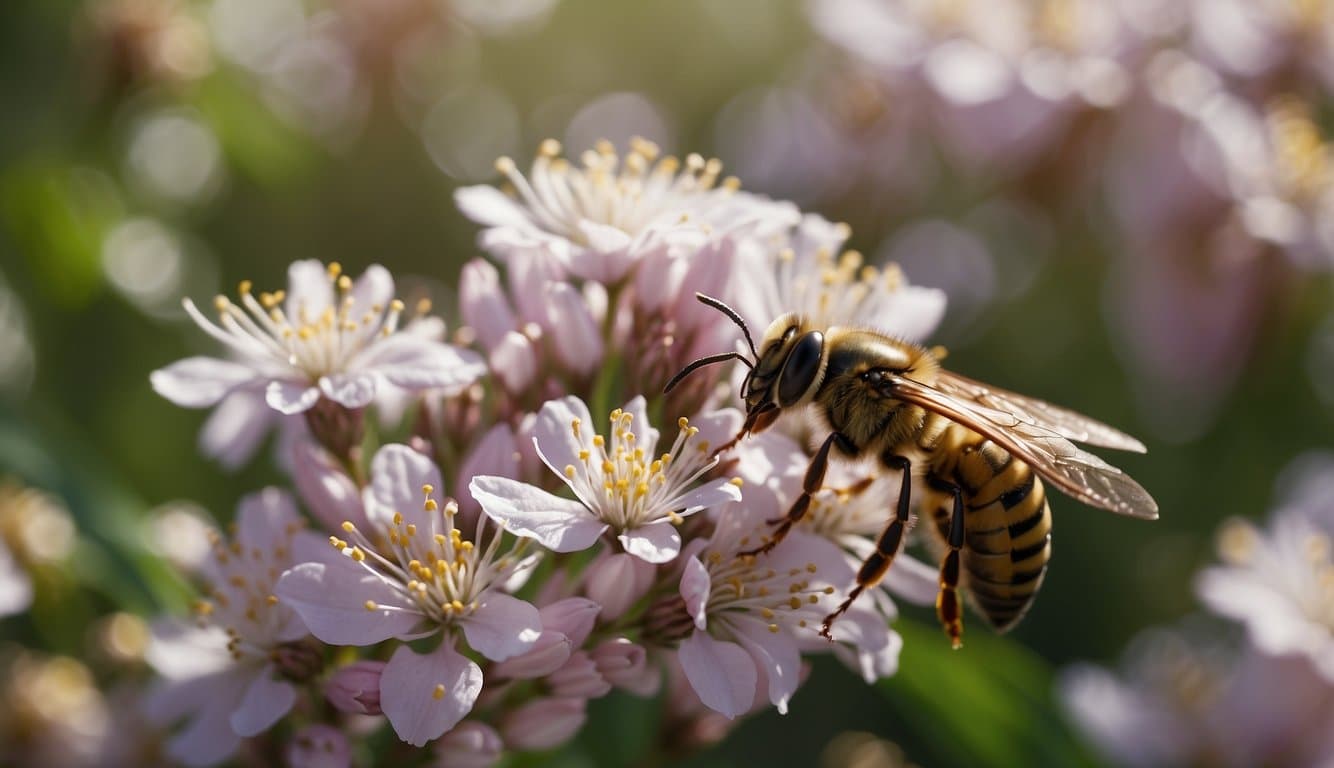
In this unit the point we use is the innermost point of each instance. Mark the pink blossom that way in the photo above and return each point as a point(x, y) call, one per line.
point(469, 745)
point(621, 484)
point(325, 337)
point(625, 665)
point(616, 581)
point(229, 676)
point(578, 678)
point(543, 723)
point(413, 575)
point(355, 688)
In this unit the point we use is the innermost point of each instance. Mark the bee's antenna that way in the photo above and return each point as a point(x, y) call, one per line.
point(731, 313)
point(700, 363)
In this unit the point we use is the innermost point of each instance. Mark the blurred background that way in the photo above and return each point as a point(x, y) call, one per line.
point(1127, 202)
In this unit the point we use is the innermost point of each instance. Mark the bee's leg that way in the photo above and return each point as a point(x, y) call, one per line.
point(948, 609)
point(809, 485)
point(891, 538)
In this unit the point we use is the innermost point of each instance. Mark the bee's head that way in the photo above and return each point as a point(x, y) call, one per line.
point(788, 369)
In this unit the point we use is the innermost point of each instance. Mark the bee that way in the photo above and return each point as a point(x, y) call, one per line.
point(983, 454)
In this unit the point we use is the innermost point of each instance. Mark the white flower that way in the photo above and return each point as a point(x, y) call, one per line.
point(228, 674)
point(807, 276)
point(411, 576)
point(620, 483)
point(325, 337)
point(754, 615)
point(15, 586)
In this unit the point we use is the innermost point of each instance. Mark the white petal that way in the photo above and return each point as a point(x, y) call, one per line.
point(350, 390)
point(695, 588)
point(558, 524)
point(289, 397)
point(374, 288)
point(502, 626)
point(409, 685)
point(266, 701)
point(398, 474)
point(417, 364)
point(208, 738)
point(235, 428)
point(646, 435)
point(653, 543)
point(331, 598)
point(179, 649)
point(331, 496)
point(490, 207)
point(557, 444)
point(264, 518)
point(711, 494)
point(717, 427)
point(483, 304)
point(15, 586)
point(577, 337)
point(776, 654)
point(198, 382)
point(514, 361)
point(309, 291)
point(722, 673)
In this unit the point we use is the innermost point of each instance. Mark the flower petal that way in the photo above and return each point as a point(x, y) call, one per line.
point(577, 339)
point(289, 397)
point(332, 598)
point(15, 586)
point(235, 428)
point(416, 363)
point(483, 304)
point(646, 436)
point(198, 382)
point(424, 695)
point(711, 494)
point(695, 588)
point(398, 474)
point(776, 654)
point(722, 673)
point(266, 701)
point(350, 390)
point(502, 626)
point(309, 291)
point(653, 543)
point(558, 524)
point(490, 207)
point(265, 517)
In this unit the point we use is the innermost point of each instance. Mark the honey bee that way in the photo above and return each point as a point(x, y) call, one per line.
point(982, 454)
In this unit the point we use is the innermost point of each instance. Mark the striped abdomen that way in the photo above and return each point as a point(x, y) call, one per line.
point(1007, 524)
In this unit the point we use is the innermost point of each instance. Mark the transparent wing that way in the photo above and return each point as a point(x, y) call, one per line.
point(1060, 462)
point(1067, 424)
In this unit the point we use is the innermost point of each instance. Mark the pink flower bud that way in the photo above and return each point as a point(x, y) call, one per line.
point(578, 341)
point(616, 581)
point(328, 492)
point(469, 745)
point(547, 655)
point(514, 361)
point(355, 689)
point(573, 617)
point(578, 678)
point(625, 665)
point(483, 303)
point(544, 723)
point(319, 746)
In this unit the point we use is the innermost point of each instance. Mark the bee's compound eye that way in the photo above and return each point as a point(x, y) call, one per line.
point(799, 371)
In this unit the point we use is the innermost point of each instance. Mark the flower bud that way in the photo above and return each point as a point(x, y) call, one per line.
point(578, 343)
point(330, 495)
point(547, 655)
point(573, 617)
point(544, 723)
point(625, 665)
point(616, 581)
point(355, 689)
point(578, 678)
point(514, 361)
point(338, 428)
point(469, 745)
point(319, 746)
point(483, 304)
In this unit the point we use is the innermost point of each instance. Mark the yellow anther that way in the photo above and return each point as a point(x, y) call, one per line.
point(439, 692)
point(504, 165)
point(569, 471)
point(738, 482)
point(574, 425)
point(344, 283)
point(371, 605)
point(682, 423)
point(349, 527)
point(430, 506)
point(457, 605)
point(221, 303)
point(412, 529)
point(358, 555)
point(598, 441)
point(773, 628)
point(428, 489)
point(767, 613)
point(244, 287)
point(548, 148)
point(396, 306)
point(810, 568)
point(583, 454)
point(204, 608)
point(334, 269)
point(398, 518)
point(271, 599)
point(794, 602)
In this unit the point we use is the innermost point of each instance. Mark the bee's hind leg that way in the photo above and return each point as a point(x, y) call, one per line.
point(948, 609)
point(809, 485)
point(886, 547)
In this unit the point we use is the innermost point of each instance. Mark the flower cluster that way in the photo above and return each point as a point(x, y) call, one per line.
point(514, 555)
point(1188, 698)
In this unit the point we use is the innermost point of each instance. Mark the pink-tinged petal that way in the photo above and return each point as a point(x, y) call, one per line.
point(15, 586)
point(374, 288)
point(695, 588)
point(179, 649)
point(234, 430)
point(309, 291)
point(646, 435)
point(617, 581)
point(514, 361)
point(418, 364)
point(291, 397)
point(264, 517)
point(608, 256)
point(558, 446)
point(483, 304)
point(529, 271)
point(331, 496)
point(495, 454)
point(876, 660)
point(776, 654)
point(207, 704)
point(577, 337)
point(424, 695)
point(712, 494)
point(653, 543)
point(490, 207)
point(198, 382)
point(547, 655)
point(717, 427)
point(544, 723)
point(266, 701)
point(502, 626)
point(355, 688)
point(913, 580)
point(350, 390)
point(469, 745)
point(397, 476)
point(573, 617)
point(332, 597)
point(558, 524)
point(658, 280)
point(722, 673)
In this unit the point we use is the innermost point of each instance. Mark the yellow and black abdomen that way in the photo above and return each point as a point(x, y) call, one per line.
point(1007, 524)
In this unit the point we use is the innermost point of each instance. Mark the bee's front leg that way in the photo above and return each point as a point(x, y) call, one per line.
point(810, 484)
